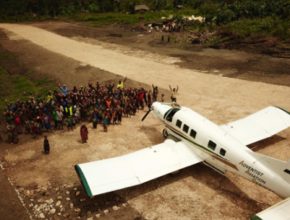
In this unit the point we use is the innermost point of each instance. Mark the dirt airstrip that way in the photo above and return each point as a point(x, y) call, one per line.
point(48, 184)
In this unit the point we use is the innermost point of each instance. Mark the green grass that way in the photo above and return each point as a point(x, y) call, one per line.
point(268, 26)
point(101, 19)
point(248, 30)
point(21, 87)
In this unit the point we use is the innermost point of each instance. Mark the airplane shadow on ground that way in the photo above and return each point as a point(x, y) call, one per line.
point(153, 134)
point(205, 176)
point(199, 173)
point(266, 142)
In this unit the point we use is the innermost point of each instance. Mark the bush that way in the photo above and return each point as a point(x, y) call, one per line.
point(210, 11)
point(93, 8)
point(225, 16)
point(272, 26)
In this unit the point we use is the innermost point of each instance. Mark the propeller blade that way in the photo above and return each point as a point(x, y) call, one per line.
point(146, 115)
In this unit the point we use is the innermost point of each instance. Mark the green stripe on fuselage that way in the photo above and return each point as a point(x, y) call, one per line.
point(186, 138)
point(200, 146)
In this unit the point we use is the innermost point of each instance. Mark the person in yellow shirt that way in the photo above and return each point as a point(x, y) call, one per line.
point(120, 84)
point(49, 97)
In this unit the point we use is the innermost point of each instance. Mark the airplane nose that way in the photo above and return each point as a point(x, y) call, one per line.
point(160, 109)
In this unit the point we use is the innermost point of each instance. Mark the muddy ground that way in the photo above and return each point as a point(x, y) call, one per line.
point(49, 185)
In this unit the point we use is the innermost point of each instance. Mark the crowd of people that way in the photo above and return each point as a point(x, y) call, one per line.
point(63, 108)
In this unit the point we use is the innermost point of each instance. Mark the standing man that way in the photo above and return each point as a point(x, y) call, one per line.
point(162, 97)
point(84, 133)
point(106, 120)
point(120, 84)
point(55, 119)
point(149, 99)
point(173, 93)
point(63, 89)
point(59, 118)
point(96, 118)
point(46, 146)
point(155, 92)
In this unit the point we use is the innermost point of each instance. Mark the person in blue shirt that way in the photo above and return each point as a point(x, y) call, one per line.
point(63, 89)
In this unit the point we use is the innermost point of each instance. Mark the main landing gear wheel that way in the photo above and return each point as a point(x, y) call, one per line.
point(165, 133)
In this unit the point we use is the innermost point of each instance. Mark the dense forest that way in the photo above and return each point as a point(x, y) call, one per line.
point(242, 19)
point(220, 11)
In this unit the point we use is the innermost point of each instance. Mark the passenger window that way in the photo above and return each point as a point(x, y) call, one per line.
point(178, 123)
point(185, 128)
point(211, 145)
point(222, 152)
point(193, 133)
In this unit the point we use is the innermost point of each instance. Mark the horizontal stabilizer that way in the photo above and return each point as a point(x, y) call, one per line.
point(108, 175)
point(279, 211)
point(278, 166)
point(258, 126)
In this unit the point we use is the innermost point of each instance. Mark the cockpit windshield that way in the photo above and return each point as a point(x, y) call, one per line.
point(170, 113)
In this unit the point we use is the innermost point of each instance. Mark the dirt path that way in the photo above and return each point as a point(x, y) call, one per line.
point(184, 196)
point(219, 90)
point(228, 63)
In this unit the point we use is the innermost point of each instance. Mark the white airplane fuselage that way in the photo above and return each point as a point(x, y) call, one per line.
point(219, 149)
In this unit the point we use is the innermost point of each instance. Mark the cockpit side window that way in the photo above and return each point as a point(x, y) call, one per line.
point(169, 115)
point(178, 123)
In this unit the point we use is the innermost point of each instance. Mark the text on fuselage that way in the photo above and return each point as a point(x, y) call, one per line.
point(253, 172)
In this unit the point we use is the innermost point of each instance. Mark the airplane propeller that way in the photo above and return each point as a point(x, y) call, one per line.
point(147, 113)
point(173, 104)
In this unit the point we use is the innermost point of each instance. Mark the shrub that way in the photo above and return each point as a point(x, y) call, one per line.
point(272, 26)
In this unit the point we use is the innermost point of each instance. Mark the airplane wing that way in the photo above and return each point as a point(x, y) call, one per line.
point(259, 125)
point(279, 211)
point(108, 175)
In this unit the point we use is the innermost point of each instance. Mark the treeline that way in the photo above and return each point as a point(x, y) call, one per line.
point(226, 11)
point(218, 11)
point(52, 8)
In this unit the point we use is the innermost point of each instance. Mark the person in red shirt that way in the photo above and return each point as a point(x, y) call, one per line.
point(17, 122)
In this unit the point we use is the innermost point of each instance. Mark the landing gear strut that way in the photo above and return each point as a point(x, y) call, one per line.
point(165, 133)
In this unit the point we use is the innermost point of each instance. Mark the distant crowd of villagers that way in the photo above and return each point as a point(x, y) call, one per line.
point(101, 104)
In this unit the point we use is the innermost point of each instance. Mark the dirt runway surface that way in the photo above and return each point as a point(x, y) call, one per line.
point(11, 206)
point(194, 193)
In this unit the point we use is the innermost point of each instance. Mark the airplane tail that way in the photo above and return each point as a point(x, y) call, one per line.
point(280, 167)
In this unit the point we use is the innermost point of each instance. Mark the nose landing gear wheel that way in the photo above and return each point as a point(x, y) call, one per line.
point(165, 133)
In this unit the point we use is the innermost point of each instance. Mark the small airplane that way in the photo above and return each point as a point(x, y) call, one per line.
point(191, 138)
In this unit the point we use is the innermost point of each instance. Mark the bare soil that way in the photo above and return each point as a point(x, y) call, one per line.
point(11, 206)
point(229, 63)
point(48, 183)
